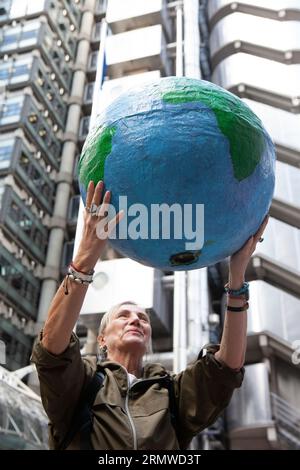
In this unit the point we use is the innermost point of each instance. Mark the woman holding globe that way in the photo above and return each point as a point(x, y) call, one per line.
point(131, 409)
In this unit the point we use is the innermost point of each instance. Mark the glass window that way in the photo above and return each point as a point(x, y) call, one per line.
point(9, 42)
point(29, 291)
point(26, 224)
point(16, 281)
point(45, 189)
point(24, 162)
point(4, 9)
point(93, 60)
point(15, 71)
point(10, 110)
point(29, 37)
point(67, 254)
point(6, 149)
point(2, 188)
point(20, 74)
point(101, 6)
point(74, 208)
point(84, 126)
point(14, 212)
point(29, 34)
point(4, 267)
point(89, 91)
point(38, 238)
point(15, 275)
point(97, 31)
point(4, 72)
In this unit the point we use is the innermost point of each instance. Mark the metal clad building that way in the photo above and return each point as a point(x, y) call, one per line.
point(48, 64)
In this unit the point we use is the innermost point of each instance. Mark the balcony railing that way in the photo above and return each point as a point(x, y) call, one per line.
point(38, 35)
point(18, 284)
point(28, 168)
point(23, 225)
point(22, 110)
point(287, 420)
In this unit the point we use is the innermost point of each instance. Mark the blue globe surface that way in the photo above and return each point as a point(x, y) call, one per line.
point(186, 142)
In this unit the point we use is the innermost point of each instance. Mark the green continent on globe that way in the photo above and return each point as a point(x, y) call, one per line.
point(92, 161)
point(237, 122)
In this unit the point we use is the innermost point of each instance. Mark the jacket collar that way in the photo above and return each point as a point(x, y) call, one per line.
point(150, 371)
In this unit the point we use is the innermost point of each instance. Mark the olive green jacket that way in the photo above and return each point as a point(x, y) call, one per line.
point(135, 417)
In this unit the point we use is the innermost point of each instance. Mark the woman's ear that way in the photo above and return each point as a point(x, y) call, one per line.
point(101, 340)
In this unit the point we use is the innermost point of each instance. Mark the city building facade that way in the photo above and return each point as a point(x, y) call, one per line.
point(49, 53)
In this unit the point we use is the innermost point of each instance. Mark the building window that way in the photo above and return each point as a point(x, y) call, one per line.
point(17, 278)
point(10, 110)
point(25, 224)
point(20, 72)
point(89, 91)
point(84, 127)
point(29, 37)
point(97, 32)
point(4, 73)
point(28, 226)
point(73, 209)
point(39, 183)
point(20, 36)
point(2, 189)
point(10, 41)
point(101, 7)
point(67, 254)
point(4, 9)
point(14, 212)
point(93, 60)
point(6, 150)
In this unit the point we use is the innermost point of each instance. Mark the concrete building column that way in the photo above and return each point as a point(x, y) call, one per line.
point(56, 239)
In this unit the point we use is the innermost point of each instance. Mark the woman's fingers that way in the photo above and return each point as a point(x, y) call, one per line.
point(261, 229)
point(90, 194)
point(98, 193)
point(104, 206)
point(94, 196)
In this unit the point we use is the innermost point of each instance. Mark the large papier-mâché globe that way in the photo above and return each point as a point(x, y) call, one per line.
point(186, 142)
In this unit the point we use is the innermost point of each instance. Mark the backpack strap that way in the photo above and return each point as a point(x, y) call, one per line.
point(173, 408)
point(82, 421)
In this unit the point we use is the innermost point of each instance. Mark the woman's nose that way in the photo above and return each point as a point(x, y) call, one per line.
point(134, 318)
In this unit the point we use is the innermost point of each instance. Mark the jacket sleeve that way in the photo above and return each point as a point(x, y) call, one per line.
point(62, 379)
point(202, 392)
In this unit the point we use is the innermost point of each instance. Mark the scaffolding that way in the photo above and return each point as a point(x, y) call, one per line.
point(23, 423)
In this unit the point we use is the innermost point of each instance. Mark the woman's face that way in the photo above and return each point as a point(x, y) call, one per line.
point(128, 330)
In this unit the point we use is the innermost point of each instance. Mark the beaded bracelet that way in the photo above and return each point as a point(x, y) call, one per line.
point(77, 276)
point(235, 292)
point(244, 290)
point(89, 273)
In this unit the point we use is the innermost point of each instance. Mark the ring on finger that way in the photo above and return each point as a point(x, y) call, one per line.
point(261, 240)
point(93, 209)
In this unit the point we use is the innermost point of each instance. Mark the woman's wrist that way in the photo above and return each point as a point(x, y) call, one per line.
point(84, 263)
point(236, 281)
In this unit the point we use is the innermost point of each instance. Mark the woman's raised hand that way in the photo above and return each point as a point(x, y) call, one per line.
point(96, 228)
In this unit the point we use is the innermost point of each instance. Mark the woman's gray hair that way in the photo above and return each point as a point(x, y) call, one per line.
point(110, 313)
